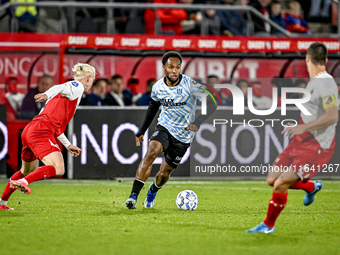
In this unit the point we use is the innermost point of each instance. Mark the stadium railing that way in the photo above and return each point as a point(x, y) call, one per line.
point(110, 25)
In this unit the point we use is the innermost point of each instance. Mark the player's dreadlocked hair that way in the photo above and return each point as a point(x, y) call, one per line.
point(81, 69)
point(317, 52)
point(171, 54)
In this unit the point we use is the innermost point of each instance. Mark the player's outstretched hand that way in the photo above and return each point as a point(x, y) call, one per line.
point(192, 127)
point(40, 97)
point(139, 140)
point(74, 150)
point(292, 130)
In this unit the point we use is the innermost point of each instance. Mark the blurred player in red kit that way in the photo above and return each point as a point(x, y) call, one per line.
point(39, 136)
point(312, 144)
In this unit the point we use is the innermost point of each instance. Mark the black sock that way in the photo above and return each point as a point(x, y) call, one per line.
point(137, 186)
point(154, 188)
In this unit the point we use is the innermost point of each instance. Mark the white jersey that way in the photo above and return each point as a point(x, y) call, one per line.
point(178, 106)
point(324, 94)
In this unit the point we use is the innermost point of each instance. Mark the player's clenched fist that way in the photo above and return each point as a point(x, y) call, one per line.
point(74, 150)
point(40, 97)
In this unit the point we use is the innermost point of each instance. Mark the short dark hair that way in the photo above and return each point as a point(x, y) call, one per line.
point(171, 54)
point(45, 75)
point(276, 2)
point(96, 82)
point(212, 76)
point(243, 80)
point(299, 81)
point(317, 52)
point(116, 76)
point(150, 82)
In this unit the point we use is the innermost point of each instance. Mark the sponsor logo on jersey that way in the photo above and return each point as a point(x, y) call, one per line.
point(170, 102)
point(178, 158)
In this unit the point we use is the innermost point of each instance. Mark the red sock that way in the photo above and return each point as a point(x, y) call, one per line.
point(306, 186)
point(43, 172)
point(276, 205)
point(8, 191)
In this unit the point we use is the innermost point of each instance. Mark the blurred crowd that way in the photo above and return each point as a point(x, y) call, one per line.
point(116, 91)
point(290, 15)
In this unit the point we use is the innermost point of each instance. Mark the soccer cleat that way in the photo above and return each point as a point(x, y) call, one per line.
point(5, 208)
point(131, 203)
point(20, 185)
point(150, 198)
point(310, 196)
point(262, 228)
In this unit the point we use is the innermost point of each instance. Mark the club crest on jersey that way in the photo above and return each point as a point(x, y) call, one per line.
point(74, 83)
point(328, 100)
point(179, 91)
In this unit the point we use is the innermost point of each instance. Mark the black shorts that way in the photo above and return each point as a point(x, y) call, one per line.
point(173, 149)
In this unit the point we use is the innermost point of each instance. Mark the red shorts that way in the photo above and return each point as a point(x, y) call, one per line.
point(306, 158)
point(38, 141)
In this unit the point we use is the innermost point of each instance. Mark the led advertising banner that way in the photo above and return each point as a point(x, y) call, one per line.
point(3, 139)
point(225, 145)
point(107, 139)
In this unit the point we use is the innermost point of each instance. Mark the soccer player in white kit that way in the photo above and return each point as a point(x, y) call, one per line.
point(312, 144)
point(176, 94)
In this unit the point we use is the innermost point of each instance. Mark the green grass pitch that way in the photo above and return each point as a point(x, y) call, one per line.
point(89, 217)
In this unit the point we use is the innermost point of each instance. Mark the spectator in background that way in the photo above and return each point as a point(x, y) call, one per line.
point(280, 83)
point(115, 96)
point(30, 108)
point(243, 84)
point(12, 98)
point(320, 14)
point(192, 24)
point(211, 23)
point(146, 97)
point(26, 15)
point(170, 19)
point(261, 28)
point(276, 16)
point(212, 80)
point(259, 100)
point(299, 83)
point(131, 92)
point(97, 96)
point(232, 22)
point(294, 21)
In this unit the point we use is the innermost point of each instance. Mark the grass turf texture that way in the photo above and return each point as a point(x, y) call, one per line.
point(89, 217)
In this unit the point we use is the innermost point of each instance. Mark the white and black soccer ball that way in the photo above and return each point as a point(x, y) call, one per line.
point(187, 200)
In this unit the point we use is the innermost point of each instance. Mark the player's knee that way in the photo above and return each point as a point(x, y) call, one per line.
point(279, 183)
point(59, 169)
point(271, 181)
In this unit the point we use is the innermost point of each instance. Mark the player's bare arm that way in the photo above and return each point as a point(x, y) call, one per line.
point(139, 139)
point(330, 117)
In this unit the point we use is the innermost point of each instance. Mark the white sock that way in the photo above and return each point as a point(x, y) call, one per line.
point(24, 180)
point(3, 202)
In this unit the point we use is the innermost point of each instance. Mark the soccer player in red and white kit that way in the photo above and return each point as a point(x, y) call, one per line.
point(39, 136)
point(312, 144)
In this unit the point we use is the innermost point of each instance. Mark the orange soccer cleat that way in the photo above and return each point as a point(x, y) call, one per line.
point(20, 185)
point(5, 207)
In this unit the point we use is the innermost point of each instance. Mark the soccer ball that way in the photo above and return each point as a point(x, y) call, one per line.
point(187, 200)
